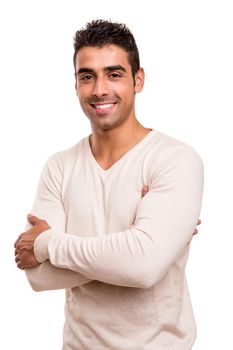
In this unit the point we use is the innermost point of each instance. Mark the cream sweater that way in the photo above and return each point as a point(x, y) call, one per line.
point(120, 257)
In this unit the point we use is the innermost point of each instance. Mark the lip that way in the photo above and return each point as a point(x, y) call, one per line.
point(100, 109)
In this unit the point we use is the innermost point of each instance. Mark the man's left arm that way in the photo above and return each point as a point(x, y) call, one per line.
point(140, 255)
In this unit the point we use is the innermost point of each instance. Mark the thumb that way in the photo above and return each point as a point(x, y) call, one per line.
point(32, 219)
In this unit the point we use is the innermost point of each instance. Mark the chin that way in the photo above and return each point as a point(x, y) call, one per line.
point(107, 125)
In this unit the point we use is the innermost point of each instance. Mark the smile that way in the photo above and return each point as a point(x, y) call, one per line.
point(103, 107)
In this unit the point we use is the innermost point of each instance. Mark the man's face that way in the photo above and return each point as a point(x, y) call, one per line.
point(105, 85)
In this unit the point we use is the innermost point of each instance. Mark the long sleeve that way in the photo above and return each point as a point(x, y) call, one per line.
point(48, 205)
point(140, 255)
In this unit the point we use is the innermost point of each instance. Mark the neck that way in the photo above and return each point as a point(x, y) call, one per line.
point(110, 145)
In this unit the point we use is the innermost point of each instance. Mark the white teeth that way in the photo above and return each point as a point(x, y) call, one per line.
point(104, 106)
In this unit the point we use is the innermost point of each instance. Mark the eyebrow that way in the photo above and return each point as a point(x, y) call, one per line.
point(107, 69)
point(116, 67)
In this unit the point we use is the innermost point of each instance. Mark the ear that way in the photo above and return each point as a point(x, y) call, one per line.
point(139, 80)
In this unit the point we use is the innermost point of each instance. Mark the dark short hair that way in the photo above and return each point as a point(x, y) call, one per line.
point(99, 33)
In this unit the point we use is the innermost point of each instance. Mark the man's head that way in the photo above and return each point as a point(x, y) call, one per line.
point(99, 33)
point(107, 74)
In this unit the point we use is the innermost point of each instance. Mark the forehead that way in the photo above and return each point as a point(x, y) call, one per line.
point(99, 57)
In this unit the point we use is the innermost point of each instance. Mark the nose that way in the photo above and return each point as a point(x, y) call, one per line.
point(101, 87)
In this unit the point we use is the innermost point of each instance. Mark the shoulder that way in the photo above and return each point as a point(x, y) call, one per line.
point(175, 165)
point(62, 159)
point(166, 148)
point(167, 155)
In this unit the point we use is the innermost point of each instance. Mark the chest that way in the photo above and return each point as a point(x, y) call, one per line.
point(100, 202)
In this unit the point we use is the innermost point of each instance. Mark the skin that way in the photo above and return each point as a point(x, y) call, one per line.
point(104, 75)
point(24, 245)
point(106, 91)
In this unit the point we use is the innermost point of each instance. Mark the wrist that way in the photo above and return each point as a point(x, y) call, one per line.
point(41, 245)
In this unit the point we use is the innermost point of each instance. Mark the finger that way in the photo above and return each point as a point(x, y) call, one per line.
point(195, 231)
point(199, 222)
point(22, 246)
point(32, 219)
point(20, 265)
point(17, 241)
point(18, 246)
point(145, 189)
point(20, 260)
point(17, 258)
point(19, 238)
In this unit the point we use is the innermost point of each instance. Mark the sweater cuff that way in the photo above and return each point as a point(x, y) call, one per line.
point(41, 245)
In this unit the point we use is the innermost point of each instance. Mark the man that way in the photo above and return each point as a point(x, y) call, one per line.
point(115, 213)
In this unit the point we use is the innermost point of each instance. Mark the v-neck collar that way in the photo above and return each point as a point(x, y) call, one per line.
point(119, 161)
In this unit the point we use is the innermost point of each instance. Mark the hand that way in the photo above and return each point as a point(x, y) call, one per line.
point(145, 189)
point(196, 230)
point(24, 245)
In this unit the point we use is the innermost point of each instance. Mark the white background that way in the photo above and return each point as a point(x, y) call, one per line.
point(186, 50)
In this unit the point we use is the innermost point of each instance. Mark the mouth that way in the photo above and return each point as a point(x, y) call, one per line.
point(102, 108)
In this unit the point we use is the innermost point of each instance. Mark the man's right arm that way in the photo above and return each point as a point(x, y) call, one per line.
point(48, 204)
point(48, 277)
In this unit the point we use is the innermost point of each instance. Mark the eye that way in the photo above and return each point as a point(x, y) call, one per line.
point(86, 77)
point(115, 75)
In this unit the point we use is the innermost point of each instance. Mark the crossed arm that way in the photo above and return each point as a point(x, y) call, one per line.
point(137, 244)
point(24, 245)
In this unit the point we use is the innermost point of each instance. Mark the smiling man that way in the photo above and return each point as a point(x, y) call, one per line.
point(114, 215)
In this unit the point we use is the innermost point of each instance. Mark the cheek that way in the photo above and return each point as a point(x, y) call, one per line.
point(81, 96)
point(83, 92)
point(129, 95)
